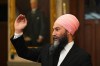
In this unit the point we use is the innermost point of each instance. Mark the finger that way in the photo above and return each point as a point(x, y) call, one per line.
point(17, 19)
point(20, 17)
point(25, 20)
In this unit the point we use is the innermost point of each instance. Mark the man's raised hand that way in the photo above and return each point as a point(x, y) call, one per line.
point(20, 24)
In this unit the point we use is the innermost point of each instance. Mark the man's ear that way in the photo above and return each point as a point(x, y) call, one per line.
point(68, 33)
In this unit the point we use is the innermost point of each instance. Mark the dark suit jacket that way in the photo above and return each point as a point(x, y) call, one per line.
point(75, 57)
point(35, 25)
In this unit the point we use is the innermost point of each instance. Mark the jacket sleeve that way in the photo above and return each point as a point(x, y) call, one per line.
point(24, 52)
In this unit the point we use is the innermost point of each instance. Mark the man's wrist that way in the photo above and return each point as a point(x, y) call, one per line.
point(18, 31)
point(16, 35)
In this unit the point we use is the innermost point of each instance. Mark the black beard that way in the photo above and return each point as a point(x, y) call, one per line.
point(58, 47)
point(63, 42)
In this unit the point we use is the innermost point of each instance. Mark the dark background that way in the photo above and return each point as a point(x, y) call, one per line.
point(3, 12)
point(3, 32)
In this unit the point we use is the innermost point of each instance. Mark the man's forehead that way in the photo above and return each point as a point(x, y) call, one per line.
point(33, 1)
point(56, 25)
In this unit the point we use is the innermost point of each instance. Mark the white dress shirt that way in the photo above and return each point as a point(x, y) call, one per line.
point(64, 52)
point(17, 35)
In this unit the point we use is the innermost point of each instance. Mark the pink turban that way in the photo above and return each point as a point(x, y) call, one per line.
point(69, 22)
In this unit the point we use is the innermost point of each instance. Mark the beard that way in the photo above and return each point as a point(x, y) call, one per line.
point(57, 47)
point(59, 43)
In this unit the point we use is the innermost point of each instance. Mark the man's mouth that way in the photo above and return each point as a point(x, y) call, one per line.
point(55, 38)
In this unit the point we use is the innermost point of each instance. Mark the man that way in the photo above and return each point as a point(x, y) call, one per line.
point(35, 29)
point(64, 52)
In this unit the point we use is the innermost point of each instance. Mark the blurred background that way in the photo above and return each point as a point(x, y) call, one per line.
point(87, 37)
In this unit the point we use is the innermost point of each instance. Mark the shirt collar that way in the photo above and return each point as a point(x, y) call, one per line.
point(69, 46)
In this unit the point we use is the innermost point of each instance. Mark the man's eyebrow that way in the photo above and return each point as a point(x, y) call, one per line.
point(56, 27)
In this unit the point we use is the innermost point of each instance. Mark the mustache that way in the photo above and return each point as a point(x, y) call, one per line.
point(55, 37)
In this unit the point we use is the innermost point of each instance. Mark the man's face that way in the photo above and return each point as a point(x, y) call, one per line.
point(59, 32)
point(33, 4)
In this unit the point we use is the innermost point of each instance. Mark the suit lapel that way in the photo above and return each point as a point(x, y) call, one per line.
point(69, 56)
